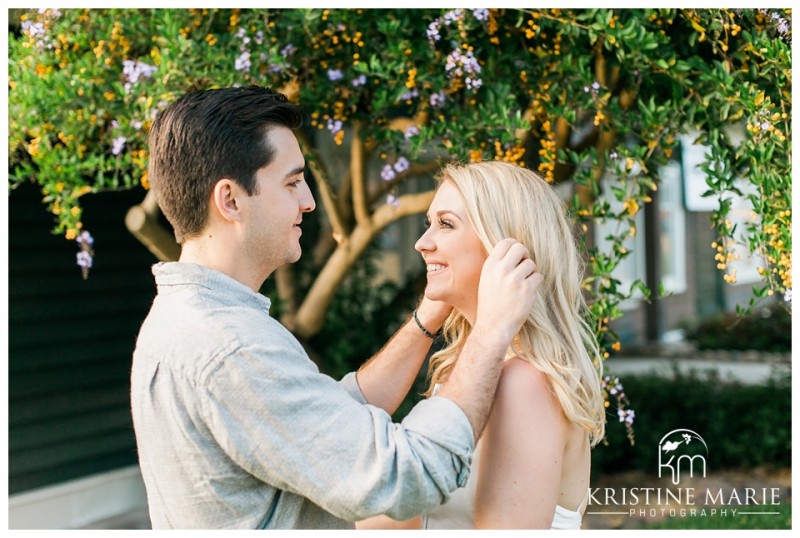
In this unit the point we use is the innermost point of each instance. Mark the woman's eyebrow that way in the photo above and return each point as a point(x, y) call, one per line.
point(443, 211)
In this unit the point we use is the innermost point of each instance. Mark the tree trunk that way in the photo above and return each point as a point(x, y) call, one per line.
point(311, 314)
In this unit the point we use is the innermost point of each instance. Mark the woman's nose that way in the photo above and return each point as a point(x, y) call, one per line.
point(424, 243)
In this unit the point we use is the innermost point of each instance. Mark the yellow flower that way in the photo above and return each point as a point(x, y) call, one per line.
point(85, 189)
point(631, 206)
point(71, 234)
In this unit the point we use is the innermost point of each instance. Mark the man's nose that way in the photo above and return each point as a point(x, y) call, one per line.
point(307, 203)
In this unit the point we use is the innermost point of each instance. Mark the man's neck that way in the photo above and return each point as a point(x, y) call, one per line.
point(221, 256)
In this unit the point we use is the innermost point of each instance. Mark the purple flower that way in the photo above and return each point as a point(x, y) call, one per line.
point(481, 14)
point(473, 84)
point(134, 70)
point(433, 31)
point(409, 95)
point(334, 126)
point(360, 81)
point(335, 74)
point(459, 63)
point(437, 99)
point(136, 124)
point(411, 131)
point(288, 50)
point(84, 259)
point(117, 144)
point(387, 173)
point(401, 165)
point(392, 200)
point(243, 63)
point(85, 238)
point(452, 16)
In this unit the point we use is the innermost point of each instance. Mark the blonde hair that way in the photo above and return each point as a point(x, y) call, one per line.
point(505, 200)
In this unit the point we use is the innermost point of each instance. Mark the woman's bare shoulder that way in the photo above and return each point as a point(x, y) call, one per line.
point(519, 375)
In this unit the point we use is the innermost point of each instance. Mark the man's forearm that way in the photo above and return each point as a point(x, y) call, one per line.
point(473, 380)
point(388, 376)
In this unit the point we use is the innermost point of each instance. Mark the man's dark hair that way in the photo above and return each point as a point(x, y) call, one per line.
point(208, 135)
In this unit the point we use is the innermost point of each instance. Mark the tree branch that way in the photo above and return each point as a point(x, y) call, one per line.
point(326, 192)
point(311, 314)
point(415, 170)
point(357, 179)
point(142, 221)
point(284, 283)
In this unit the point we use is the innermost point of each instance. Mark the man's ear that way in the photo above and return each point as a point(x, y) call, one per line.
point(226, 199)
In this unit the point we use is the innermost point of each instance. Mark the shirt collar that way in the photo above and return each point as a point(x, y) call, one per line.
point(183, 273)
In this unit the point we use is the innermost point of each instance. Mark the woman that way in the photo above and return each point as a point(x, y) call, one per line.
point(532, 462)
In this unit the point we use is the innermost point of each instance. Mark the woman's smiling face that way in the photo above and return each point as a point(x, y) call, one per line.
point(453, 254)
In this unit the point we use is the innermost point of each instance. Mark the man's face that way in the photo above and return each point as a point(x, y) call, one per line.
point(275, 213)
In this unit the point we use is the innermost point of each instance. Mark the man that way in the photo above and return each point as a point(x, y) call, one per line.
point(235, 426)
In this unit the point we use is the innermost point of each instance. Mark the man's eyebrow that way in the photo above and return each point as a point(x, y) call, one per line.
point(296, 171)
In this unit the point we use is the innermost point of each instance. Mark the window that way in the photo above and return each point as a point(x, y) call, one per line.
point(672, 229)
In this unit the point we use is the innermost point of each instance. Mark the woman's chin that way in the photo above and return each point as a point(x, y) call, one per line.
point(432, 294)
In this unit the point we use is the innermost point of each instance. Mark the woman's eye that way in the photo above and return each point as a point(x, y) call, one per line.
point(427, 222)
point(445, 223)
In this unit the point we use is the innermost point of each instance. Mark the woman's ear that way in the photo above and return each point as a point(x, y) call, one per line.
point(226, 200)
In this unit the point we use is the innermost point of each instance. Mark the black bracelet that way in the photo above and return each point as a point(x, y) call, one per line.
point(425, 331)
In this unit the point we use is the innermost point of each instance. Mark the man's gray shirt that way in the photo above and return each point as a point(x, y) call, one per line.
point(236, 427)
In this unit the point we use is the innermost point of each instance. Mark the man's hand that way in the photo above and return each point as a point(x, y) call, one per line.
point(507, 290)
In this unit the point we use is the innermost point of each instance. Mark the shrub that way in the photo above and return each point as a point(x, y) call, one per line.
point(766, 329)
point(744, 426)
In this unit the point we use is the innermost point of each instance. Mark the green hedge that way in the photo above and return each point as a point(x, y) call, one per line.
point(744, 426)
point(765, 329)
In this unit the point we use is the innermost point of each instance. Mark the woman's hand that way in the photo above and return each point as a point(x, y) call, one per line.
point(432, 313)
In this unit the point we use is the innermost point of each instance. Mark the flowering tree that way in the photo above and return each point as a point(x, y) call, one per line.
point(597, 98)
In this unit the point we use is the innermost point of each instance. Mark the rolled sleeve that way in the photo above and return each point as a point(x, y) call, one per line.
point(453, 430)
point(350, 384)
